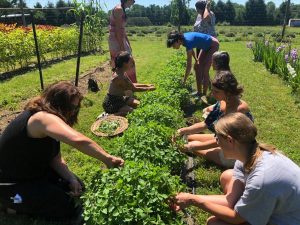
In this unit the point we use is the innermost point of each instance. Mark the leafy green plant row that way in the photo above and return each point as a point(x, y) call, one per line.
point(17, 47)
point(136, 194)
point(153, 124)
point(140, 192)
point(281, 60)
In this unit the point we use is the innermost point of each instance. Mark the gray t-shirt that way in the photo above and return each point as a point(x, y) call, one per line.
point(272, 191)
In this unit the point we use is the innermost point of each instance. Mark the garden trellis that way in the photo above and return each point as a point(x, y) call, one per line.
point(37, 50)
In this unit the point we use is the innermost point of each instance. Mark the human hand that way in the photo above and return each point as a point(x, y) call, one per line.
point(183, 82)
point(75, 187)
point(114, 161)
point(176, 136)
point(180, 132)
point(181, 201)
point(151, 88)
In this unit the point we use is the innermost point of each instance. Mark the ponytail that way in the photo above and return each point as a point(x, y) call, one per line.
point(173, 37)
point(255, 154)
point(242, 129)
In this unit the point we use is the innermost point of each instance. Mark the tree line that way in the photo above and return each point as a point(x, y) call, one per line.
point(254, 12)
point(45, 17)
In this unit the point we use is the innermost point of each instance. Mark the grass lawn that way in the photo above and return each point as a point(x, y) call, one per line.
point(276, 115)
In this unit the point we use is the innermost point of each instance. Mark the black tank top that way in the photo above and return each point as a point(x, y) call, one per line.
point(23, 158)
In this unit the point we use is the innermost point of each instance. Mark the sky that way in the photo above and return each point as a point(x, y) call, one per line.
point(109, 4)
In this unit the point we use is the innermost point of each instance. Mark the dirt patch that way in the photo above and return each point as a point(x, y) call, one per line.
point(101, 74)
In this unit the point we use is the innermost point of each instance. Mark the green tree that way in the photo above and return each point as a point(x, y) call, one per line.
point(239, 14)
point(295, 10)
point(271, 11)
point(19, 4)
point(70, 16)
point(229, 12)
point(39, 15)
point(61, 14)
point(219, 11)
point(51, 15)
point(256, 13)
point(281, 12)
point(6, 4)
point(166, 14)
point(179, 13)
point(38, 5)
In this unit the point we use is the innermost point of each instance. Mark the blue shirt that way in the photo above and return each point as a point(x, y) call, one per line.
point(196, 40)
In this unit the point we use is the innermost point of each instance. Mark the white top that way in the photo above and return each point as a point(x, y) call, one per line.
point(272, 191)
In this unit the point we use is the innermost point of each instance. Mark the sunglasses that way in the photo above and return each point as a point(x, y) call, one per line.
point(217, 139)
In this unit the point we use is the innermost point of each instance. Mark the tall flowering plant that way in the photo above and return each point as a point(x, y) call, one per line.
point(282, 60)
point(293, 64)
point(17, 45)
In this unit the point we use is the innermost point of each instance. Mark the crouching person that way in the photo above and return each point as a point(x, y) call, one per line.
point(116, 102)
point(263, 188)
point(34, 178)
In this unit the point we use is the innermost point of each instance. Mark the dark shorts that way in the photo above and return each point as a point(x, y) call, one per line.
point(46, 198)
point(113, 103)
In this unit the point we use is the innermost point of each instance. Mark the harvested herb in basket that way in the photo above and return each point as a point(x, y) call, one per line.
point(109, 127)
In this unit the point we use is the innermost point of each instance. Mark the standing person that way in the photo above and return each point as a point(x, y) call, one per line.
point(190, 40)
point(263, 188)
point(118, 40)
point(205, 23)
point(206, 20)
point(116, 101)
point(34, 178)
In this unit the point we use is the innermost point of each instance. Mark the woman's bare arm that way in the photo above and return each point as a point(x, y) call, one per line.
point(44, 124)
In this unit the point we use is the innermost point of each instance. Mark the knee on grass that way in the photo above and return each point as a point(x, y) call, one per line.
point(213, 221)
point(225, 178)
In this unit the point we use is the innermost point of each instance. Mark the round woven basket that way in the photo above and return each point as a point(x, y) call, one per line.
point(121, 120)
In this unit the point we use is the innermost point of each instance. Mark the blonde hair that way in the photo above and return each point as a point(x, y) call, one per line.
point(242, 129)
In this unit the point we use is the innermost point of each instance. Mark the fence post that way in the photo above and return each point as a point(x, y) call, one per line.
point(37, 50)
point(79, 48)
point(285, 18)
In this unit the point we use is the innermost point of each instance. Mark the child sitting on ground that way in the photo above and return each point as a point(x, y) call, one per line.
point(116, 102)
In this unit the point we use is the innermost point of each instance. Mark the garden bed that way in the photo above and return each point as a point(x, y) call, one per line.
point(140, 193)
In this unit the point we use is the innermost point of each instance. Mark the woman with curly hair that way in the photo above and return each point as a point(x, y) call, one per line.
point(34, 178)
